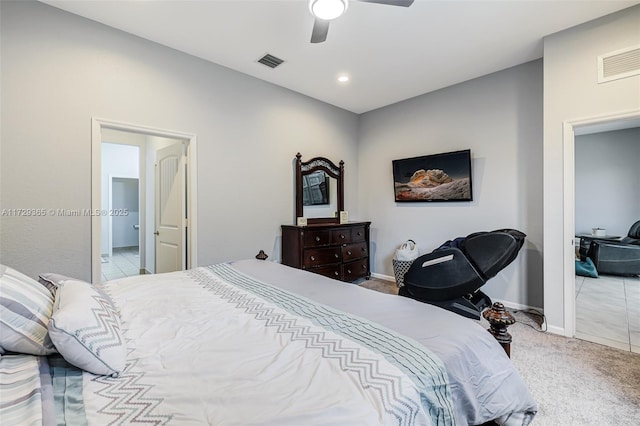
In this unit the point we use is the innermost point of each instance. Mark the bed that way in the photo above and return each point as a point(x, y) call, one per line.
point(248, 343)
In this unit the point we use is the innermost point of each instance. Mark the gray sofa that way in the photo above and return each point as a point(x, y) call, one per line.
point(617, 257)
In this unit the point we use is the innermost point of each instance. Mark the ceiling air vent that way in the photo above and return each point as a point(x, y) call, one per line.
point(619, 64)
point(270, 61)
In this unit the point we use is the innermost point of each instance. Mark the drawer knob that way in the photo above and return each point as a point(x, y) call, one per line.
point(359, 233)
point(336, 255)
point(313, 258)
point(364, 267)
point(342, 236)
point(318, 239)
point(349, 252)
point(336, 273)
point(348, 271)
point(364, 250)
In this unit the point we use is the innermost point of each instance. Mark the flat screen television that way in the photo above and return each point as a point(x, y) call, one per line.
point(433, 178)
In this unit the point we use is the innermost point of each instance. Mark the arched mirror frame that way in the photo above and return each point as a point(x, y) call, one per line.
point(307, 167)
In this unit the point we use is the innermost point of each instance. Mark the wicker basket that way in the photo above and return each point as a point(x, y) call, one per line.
point(400, 267)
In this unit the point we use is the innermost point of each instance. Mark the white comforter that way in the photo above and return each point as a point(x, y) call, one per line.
point(203, 351)
point(218, 345)
point(484, 383)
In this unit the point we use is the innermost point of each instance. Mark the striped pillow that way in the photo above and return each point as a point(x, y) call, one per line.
point(25, 309)
point(85, 327)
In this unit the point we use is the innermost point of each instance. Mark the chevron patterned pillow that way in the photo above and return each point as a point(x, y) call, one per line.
point(85, 328)
point(52, 281)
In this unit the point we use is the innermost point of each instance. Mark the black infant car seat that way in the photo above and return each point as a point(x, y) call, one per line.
point(451, 275)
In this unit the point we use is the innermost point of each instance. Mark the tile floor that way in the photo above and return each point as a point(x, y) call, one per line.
point(125, 262)
point(608, 311)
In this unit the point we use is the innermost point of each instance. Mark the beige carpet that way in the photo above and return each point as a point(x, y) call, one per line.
point(575, 382)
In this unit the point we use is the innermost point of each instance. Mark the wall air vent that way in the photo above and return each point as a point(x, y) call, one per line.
point(270, 61)
point(619, 64)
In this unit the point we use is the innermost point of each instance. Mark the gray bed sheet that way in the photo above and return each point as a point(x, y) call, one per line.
point(484, 382)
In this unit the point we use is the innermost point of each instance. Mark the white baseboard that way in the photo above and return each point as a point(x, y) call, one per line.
point(557, 330)
point(516, 306)
point(383, 277)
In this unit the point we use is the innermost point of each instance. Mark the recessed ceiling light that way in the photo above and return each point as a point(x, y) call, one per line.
point(328, 9)
point(343, 78)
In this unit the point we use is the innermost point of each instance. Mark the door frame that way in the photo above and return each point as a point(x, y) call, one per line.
point(97, 124)
point(581, 126)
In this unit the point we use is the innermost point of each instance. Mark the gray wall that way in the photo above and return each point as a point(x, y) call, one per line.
point(498, 117)
point(572, 93)
point(607, 181)
point(60, 70)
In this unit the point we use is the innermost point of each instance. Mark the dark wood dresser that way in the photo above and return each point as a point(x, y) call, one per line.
point(339, 251)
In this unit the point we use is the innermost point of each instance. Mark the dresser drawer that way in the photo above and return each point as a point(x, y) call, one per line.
point(331, 271)
point(354, 251)
point(357, 234)
point(354, 270)
point(317, 238)
point(341, 236)
point(321, 256)
point(335, 250)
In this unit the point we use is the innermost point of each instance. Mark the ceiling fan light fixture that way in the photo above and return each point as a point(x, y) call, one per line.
point(328, 9)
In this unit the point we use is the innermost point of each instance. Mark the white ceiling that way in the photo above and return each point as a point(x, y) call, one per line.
point(391, 53)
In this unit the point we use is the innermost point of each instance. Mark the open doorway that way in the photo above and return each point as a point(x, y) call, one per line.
point(122, 257)
point(125, 192)
point(121, 200)
point(607, 202)
point(572, 285)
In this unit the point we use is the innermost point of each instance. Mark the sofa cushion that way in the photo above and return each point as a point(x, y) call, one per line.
point(634, 232)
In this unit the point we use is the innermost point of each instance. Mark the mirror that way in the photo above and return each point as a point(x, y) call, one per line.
point(315, 189)
point(319, 189)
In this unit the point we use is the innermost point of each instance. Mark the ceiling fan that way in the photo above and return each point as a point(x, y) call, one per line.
point(327, 10)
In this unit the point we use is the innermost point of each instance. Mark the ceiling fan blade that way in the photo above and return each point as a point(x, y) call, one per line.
point(320, 30)
point(403, 3)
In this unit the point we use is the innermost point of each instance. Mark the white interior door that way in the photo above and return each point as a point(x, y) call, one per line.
point(170, 209)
